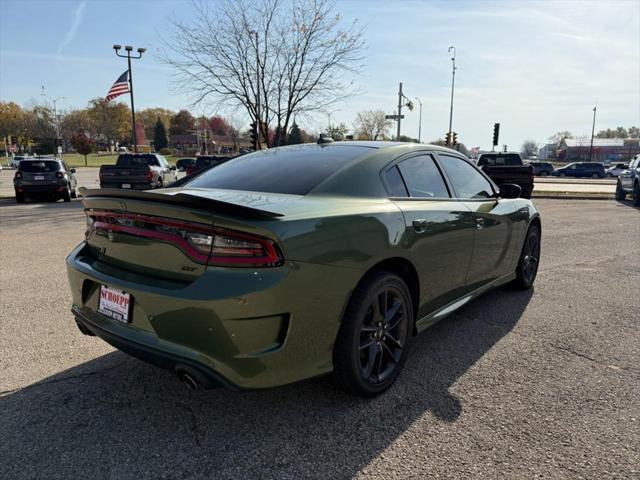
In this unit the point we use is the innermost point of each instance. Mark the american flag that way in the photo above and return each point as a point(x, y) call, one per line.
point(121, 86)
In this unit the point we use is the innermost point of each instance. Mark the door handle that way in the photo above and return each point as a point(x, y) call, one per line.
point(419, 225)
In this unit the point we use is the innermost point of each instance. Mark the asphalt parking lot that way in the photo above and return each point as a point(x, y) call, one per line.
point(538, 384)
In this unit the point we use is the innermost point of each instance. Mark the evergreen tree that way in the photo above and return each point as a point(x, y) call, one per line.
point(295, 135)
point(160, 136)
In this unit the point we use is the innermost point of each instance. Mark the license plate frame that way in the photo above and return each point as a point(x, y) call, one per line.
point(126, 185)
point(38, 177)
point(115, 304)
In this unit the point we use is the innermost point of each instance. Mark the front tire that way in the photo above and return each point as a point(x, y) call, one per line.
point(371, 346)
point(636, 195)
point(562, 174)
point(527, 268)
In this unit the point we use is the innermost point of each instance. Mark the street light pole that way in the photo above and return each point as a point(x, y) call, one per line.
point(128, 56)
point(593, 128)
point(420, 122)
point(55, 114)
point(399, 111)
point(453, 81)
point(258, 117)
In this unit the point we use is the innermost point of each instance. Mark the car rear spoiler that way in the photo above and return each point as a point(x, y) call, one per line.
point(182, 199)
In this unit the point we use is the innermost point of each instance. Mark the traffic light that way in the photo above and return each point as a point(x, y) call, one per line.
point(496, 133)
point(254, 135)
point(454, 140)
point(447, 141)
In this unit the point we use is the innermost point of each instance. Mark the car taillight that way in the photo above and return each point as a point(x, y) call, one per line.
point(59, 175)
point(18, 175)
point(203, 244)
point(149, 175)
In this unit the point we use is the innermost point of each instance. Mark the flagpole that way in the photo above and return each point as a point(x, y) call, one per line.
point(128, 49)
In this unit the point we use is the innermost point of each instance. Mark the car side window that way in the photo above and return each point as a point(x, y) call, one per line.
point(465, 179)
point(423, 178)
point(395, 184)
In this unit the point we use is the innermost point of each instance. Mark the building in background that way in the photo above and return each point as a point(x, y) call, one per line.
point(548, 151)
point(605, 150)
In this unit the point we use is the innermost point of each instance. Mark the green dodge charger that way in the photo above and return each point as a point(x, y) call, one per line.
point(298, 261)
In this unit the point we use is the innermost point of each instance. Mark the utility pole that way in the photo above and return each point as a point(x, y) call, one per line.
point(420, 122)
point(55, 116)
point(128, 56)
point(593, 128)
point(453, 81)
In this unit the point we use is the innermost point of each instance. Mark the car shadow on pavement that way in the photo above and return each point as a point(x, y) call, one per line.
point(117, 417)
point(625, 203)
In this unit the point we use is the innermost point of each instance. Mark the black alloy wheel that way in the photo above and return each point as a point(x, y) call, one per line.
point(620, 193)
point(384, 325)
point(372, 341)
point(529, 259)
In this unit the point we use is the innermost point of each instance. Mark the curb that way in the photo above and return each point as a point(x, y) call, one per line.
point(569, 196)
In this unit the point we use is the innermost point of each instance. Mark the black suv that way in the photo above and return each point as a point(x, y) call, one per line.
point(50, 176)
point(581, 169)
point(542, 169)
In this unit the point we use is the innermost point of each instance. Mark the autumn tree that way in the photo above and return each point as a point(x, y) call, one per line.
point(110, 122)
point(372, 124)
point(274, 58)
point(149, 116)
point(182, 123)
point(82, 144)
point(219, 126)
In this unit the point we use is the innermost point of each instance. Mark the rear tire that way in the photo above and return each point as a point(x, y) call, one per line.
point(636, 195)
point(371, 346)
point(544, 173)
point(620, 193)
point(527, 268)
point(562, 174)
point(20, 198)
point(66, 196)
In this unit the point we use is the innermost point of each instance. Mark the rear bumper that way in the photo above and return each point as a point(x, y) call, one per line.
point(241, 328)
point(206, 376)
point(48, 188)
point(134, 186)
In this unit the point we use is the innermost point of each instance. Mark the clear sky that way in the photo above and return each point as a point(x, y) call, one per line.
point(535, 67)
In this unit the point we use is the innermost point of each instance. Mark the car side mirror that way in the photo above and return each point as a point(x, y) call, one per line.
point(172, 167)
point(510, 190)
point(72, 170)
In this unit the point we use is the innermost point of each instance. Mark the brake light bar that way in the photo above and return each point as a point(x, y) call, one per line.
point(202, 243)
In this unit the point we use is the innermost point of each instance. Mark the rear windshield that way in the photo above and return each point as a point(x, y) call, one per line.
point(293, 170)
point(136, 161)
point(39, 166)
point(206, 161)
point(499, 159)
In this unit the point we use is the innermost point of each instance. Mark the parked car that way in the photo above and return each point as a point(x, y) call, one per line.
point(296, 261)
point(137, 171)
point(580, 170)
point(542, 169)
point(16, 159)
point(44, 176)
point(629, 182)
point(206, 161)
point(616, 170)
point(185, 163)
point(507, 167)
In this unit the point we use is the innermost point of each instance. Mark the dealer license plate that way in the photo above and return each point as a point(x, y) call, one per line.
point(114, 303)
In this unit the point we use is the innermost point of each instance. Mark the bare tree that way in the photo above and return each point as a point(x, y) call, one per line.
point(529, 149)
point(371, 124)
point(275, 58)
